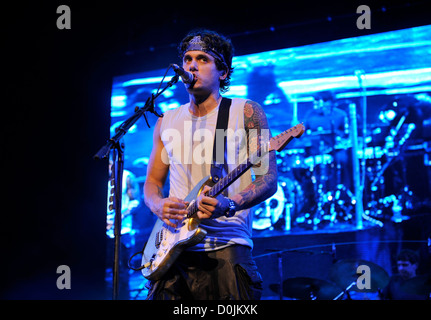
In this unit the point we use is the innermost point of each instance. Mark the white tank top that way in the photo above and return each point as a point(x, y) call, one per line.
point(188, 142)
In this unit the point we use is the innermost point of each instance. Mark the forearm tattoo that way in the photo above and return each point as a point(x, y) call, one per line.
point(264, 185)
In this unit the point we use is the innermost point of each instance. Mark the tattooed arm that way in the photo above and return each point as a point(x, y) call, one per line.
point(265, 184)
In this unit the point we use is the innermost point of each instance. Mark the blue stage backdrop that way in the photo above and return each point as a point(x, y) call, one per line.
point(388, 67)
point(284, 81)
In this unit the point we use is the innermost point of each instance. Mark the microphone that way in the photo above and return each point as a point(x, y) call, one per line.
point(186, 76)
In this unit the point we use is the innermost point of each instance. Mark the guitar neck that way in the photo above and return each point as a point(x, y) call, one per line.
point(276, 143)
point(227, 180)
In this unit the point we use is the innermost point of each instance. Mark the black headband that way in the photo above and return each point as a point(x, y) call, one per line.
point(196, 44)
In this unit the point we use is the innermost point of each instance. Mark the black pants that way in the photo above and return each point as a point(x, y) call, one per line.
point(226, 274)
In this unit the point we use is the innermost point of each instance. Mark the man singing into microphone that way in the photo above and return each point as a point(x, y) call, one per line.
point(221, 266)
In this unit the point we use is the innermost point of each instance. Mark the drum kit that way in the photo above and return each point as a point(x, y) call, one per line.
point(316, 177)
point(310, 193)
point(346, 283)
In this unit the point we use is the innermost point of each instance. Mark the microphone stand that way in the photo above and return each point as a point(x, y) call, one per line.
point(363, 171)
point(345, 291)
point(117, 172)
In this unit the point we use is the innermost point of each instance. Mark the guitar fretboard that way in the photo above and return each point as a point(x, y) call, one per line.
point(280, 141)
point(227, 180)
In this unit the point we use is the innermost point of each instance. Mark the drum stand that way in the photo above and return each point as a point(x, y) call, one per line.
point(320, 187)
point(345, 291)
point(287, 215)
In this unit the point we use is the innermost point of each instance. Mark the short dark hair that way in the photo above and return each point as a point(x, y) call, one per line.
point(408, 255)
point(325, 96)
point(221, 44)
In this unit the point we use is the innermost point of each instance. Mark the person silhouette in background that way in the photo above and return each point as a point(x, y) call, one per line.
point(406, 284)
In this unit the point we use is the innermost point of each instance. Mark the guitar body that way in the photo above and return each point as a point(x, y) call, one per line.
point(166, 243)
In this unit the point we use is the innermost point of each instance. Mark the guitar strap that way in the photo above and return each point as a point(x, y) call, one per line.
point(222, 121)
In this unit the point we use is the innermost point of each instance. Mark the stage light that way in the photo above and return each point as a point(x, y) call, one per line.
point(118, 101)
point(142, 81)
point(121, 113)
point(165, 106)
point(390, 115)
point(238, 91)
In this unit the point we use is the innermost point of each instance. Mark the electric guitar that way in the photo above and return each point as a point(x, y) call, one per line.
point(166, 243)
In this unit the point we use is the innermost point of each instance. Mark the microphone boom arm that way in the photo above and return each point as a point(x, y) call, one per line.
point(127, 124)
point(118, 165)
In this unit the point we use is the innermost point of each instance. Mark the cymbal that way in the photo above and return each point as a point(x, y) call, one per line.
point(304, 288)
point(344, 272)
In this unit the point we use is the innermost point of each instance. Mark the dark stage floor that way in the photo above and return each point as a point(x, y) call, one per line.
point(312, 254)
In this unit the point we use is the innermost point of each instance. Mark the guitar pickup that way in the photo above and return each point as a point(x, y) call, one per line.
point(159, 238)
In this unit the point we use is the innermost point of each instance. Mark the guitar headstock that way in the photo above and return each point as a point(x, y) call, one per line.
point(280, 141)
